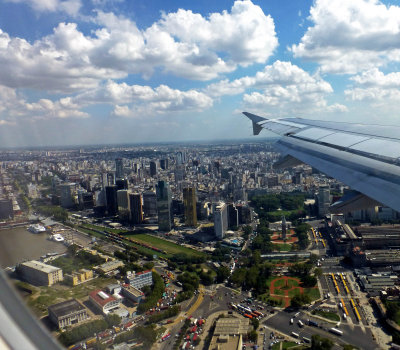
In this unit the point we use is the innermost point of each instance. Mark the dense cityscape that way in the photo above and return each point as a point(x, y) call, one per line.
point(213, 246)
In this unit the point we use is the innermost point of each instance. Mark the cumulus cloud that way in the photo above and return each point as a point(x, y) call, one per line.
point(183, 43)
point(278, 75)
point(15, 108)
point(126, 101)
point(71, 7)
point(137, 100)
point(375, 87)
point(350, 36)
point(282, 86)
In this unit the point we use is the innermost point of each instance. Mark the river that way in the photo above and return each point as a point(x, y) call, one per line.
point(18, 244)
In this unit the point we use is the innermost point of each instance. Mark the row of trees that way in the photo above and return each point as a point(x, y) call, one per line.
point(170, 312)
point(146, 335)
point(155, 295)
point(88, 330)
point(58, 213)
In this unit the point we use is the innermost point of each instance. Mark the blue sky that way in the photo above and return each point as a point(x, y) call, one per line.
point(109, 71)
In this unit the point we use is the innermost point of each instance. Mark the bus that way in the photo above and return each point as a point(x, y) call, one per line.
point(335, 331)
point(306, 340)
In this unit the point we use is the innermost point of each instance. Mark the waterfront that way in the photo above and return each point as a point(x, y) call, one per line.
point(19, 244)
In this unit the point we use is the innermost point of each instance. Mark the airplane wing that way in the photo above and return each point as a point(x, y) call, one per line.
point(364, 157)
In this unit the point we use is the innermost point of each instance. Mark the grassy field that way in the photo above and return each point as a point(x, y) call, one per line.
point(333, 316)
point(283, 247)
point(43, 297)
point(169, 247)
point(312, 292)
point(282, 283)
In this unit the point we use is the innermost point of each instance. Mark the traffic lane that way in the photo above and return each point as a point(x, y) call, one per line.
point(354, 336)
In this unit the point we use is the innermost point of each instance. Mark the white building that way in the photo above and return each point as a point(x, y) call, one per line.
point(220, 219)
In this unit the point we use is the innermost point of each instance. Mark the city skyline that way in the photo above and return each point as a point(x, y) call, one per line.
point(112, 72)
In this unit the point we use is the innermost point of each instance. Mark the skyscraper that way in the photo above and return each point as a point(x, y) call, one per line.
point(135, 201)
point(233, 216)
point(220, 219)
point(189, 202)
point(122, 184)
point(111, 199)
point(119, 168)
point(164, 164)
point(164, 206)
point(66, 195)
point(153, 168)
point(123, 204)
point(324, 200)
point(149, 203)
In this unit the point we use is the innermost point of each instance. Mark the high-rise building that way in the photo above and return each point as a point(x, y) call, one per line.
point(179, 173)
point(111, 200)
point(122, 184)
point(119, 168)
point(153, 168)
point(180, 157)
point(189, 202)
point(123, 204)
point(66, 195)
point(164, 164)
point(324, 200)
point(149, 203)
point(220, 219)
point(110, 179)
point(233, 216)
point(135, 201)
point(6, 209)
point(164, 206)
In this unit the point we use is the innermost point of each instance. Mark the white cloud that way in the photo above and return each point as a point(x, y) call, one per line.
point(183, 43)
point(71, 7)
point(14, 108)
point(351, 36)
point(274, 77)
point(137, 100)
point(375, 87)
point(282, 88)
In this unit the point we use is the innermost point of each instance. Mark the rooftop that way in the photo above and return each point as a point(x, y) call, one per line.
point(232, 326)
point(66, 307)
point(37, 265)
point(100, 297)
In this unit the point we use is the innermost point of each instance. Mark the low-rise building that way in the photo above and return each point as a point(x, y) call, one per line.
point(110, 266)
point(132, 293)
point(38, 273)
point(103, 302)
point(67, 313)
point(228, 333)
point(78, 277)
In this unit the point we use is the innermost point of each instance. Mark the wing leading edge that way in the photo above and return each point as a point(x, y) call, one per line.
point(364, 157)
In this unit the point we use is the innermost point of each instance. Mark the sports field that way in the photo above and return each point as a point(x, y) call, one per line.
point(170, 247)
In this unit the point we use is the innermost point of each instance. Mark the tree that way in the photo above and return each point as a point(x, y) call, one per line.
point(113, 320)
point(308, 281)
point(252, 335)
point(223, 273)
point(317, 272)
point(299, 300)
point(255, 323)
point(320, 343)
point(238, 276)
